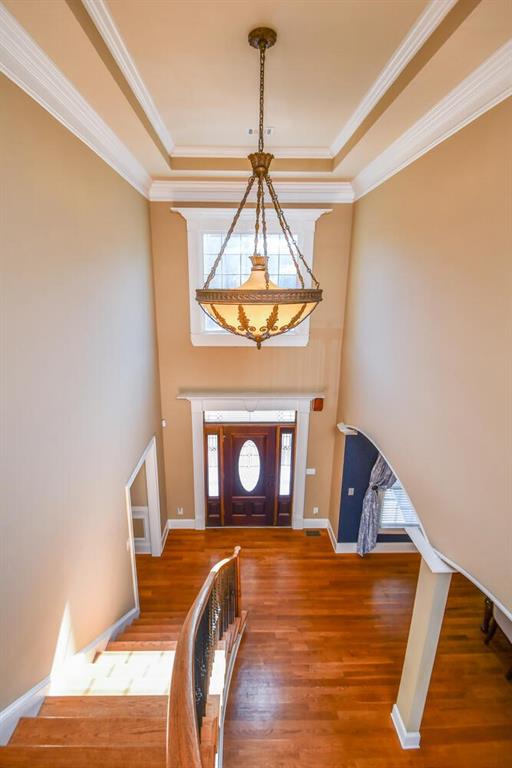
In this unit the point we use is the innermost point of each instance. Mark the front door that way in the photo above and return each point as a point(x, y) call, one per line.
point(249, 474)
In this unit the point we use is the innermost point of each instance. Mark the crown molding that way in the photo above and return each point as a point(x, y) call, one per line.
point(195, 215)
point(106, 26)
point(301, 153)
point(26, 64)
point(231, 191)
point(426, 23)
point(483, 89)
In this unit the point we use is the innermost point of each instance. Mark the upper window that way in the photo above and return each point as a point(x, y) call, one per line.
point(207, 228)
point(234, 267)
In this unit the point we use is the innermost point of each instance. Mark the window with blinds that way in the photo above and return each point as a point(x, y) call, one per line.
point(396, 510)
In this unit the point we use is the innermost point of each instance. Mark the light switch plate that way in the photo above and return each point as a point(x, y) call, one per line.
point(350, 491)
point(310, 471)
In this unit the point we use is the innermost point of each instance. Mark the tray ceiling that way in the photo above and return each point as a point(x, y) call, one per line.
point(191, 62)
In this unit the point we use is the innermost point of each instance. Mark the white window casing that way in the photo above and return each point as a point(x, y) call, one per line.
point(201, 221)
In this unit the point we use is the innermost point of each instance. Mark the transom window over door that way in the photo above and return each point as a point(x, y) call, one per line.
point(206, 229)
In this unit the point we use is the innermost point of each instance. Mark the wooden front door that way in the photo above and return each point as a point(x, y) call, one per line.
point(249, 471)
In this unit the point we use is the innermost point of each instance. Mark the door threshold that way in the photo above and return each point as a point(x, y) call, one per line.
point(249, 527)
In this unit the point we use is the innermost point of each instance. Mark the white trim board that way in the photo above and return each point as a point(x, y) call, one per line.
point(424, 26)
point(29, 703)
point(183, 524)
point(483, 89)
point(383, 547)
point(316, 522)
point(150, 459)
point(205, 191)
point(319, 153)
point(27, 65)
point(201, 221)
point(165, 534)
point(408, 739)
point(106, 26)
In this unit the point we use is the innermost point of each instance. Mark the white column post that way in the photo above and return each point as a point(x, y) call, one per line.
point(301, 457)
point(198, 453)
point(427, 618)
point(153, 496)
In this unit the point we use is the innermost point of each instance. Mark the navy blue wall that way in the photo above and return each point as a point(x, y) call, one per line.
point(360, 456)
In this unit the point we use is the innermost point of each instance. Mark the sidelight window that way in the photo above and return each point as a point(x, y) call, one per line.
point(285, 468)
point(213, 466)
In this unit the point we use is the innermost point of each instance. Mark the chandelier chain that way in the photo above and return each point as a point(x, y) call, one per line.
point(286, 229)
point(230, 231)
point(262, 47)
point(260, 309)
point(258, 215)
point(264, 231)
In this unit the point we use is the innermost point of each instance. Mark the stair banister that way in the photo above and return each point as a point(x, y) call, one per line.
point(216, 606)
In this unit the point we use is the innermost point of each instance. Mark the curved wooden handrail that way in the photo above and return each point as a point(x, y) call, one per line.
point(183, 743)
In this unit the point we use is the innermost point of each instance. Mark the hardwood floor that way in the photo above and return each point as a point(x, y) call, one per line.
point(319, 666)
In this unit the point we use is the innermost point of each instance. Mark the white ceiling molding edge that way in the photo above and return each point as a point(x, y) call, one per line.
point(26, 64)
point(231, 191)
point(426, 23)
point(321, 153)
point(483, 89)
point(106, 26)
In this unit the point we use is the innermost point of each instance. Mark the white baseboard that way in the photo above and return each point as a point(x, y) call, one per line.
point(408, 739)
point(183, 523)
point(29, 703)
point(165, 534)
point(350, 547)
point(383, 547)
point(316, 522)
point(142, 547)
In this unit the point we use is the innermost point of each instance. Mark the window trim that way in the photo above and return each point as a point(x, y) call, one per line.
point(207, 220)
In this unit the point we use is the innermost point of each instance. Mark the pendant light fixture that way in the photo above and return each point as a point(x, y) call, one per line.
point(259, 309)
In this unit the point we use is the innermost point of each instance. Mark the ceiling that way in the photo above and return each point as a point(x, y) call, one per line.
point(346, 79)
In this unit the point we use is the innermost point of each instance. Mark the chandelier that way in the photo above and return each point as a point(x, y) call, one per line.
point(259, 309)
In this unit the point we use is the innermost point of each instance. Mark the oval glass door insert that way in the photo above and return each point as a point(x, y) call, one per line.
point(249, 466)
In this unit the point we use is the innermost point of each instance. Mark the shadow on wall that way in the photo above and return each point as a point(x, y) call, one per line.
point(360, 456)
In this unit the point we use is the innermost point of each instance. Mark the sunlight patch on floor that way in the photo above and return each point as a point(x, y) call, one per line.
point(116, 673)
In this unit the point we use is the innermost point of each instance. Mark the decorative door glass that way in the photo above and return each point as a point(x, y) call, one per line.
point(249, 466)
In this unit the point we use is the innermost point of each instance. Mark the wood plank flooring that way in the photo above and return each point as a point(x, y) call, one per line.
point(319, 666)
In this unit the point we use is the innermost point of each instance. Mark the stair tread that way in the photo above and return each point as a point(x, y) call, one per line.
point(81, 757)
point(163, 636)
point(110, 706)
point(89, 731)
point(141, 645)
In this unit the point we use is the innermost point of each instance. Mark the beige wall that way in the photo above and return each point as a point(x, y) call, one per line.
point(426, 366)
point(183, 366)
point(80, 396)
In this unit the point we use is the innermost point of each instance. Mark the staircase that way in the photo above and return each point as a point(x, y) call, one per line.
point(113, 712)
